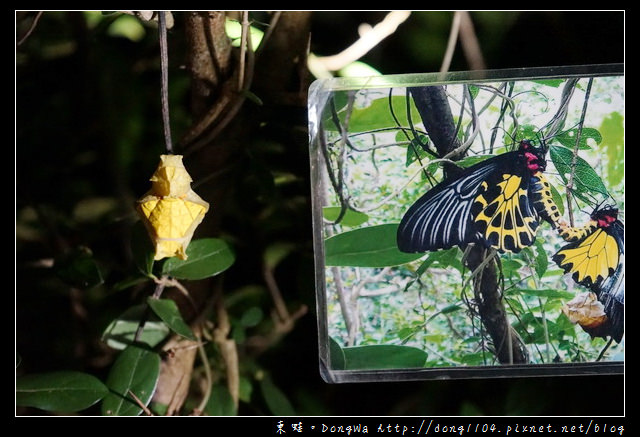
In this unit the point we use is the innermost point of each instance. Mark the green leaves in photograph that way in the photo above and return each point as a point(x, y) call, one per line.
point(373, 246)
point(377, 357)
point(64, 392)
point(206, 257)
point(568, 138)
point(377, 115)
point(415, 150)
point(136, 371)
point(548, 293)
point(612, 129)
point(349, 218)
point(585, 178)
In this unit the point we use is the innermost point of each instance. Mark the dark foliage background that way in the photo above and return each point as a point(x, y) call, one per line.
point(88, 132)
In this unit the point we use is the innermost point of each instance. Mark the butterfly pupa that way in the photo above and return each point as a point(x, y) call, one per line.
point(171, 211)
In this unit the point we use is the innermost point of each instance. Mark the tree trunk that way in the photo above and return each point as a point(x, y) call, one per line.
point(225, 123)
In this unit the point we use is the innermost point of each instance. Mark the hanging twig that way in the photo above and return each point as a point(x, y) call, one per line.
point(243, 48)
point(208, 379)
point(321, 66)
point(143, 320)
point(469, 42)
point(272, 25)
point(31, 28)
point(451, 44)
point(164, 88)
point(225, 108)
point(574, 159)
point(140, 404)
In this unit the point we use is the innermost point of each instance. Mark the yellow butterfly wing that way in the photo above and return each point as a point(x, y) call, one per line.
point(590, 260)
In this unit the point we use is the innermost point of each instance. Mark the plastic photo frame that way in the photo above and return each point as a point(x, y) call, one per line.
point(379, 144)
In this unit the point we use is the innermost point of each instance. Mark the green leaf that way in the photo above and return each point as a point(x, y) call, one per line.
point(136, 371)
point(549, 82)
point(142, 249)
point(121, 331)
point(78, 269)
point(383, 357)
point(568, 138)
point(276, 252)
point(128, 282)
point(542, 262)
point(59, 391)
point(220, 402)
point(358, 69)
point(251, 317)
point(276, 400)
point(415, 150)
point(128, 27)
point(378, 115)
point(245, 389)
point(612, 129)
point(585, 178)
point(474, 90)
point(373, 246)
point(557, 199)
point(158, 409)
point(444, 258)
point(349, 218)
point(525, 132)
point(336, 355)
point(451, 309)
point(234, 32)
point(468, 161)
point(474, 358)
point(206, 257)
point(169, 313)
point(549, 293)
point(511, 266)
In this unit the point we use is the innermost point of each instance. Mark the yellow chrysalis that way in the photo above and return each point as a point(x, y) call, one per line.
point(171, 211)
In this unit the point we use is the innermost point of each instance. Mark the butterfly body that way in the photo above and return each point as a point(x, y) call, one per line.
point(498, 202)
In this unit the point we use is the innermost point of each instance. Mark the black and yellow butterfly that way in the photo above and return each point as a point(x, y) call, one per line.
point(595, 258)
point(498, 202)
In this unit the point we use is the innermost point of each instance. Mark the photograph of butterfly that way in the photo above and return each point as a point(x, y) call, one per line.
point(469, 223)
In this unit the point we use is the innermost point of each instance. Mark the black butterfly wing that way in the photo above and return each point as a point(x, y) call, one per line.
point(441, 218)
point(611, 292)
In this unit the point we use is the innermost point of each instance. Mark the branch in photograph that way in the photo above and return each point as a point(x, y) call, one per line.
point(433, 107)
point(349, 314)
point(555, 125)
point(574, 160)
point(402, 188)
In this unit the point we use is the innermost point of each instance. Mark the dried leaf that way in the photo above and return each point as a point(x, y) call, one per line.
point(586, 310)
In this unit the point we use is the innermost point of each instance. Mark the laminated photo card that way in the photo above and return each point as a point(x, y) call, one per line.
point(469, 224)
